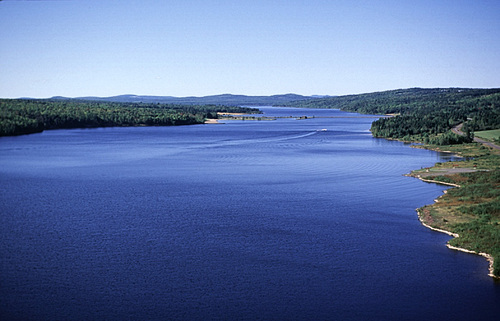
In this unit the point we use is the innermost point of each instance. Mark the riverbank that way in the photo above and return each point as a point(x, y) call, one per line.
point(469, 211)
point(426, 220)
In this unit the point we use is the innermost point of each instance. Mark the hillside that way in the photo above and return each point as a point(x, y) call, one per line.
point(424, 115)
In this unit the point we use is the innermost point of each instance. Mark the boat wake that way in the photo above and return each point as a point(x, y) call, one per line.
point(261, 140)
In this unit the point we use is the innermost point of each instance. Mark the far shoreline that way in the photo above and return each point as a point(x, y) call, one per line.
point(211, 121)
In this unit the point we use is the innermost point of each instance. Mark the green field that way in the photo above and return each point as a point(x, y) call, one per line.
point(488, 134)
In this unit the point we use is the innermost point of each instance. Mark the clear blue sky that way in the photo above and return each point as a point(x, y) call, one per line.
point(258, 47)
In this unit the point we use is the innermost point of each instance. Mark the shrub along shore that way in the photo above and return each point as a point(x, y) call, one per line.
point(470, 212)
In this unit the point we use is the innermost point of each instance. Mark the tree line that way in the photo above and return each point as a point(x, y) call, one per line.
point(25, 116)
point(425, 115)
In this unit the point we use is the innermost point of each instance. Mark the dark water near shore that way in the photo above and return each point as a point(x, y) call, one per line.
point(246, 220)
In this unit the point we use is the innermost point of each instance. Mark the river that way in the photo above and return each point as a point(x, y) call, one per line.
point(290, 219)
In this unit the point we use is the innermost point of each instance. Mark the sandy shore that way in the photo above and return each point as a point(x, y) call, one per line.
point(436, 182)
point(231, 114)
point(486, 255)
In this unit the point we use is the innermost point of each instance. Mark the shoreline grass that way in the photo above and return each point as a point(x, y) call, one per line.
point(471, 211)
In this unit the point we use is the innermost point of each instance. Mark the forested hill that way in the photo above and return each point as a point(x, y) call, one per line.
point(225, 99)
point(424, 114)
point(24, 116)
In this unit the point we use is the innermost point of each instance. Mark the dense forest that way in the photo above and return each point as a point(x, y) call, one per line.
point(424, 115)
point(25, 116)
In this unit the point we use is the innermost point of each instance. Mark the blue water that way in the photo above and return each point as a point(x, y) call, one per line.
point(245, 220)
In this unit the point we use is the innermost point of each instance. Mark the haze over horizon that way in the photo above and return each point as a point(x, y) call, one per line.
point(260, 48)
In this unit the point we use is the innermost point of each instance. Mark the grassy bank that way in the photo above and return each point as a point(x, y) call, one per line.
point(491, 135)
point(472, 210)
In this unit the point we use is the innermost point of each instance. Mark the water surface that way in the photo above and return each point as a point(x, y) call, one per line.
point(242, 220)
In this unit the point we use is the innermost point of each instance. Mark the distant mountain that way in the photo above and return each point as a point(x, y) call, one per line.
point(224, 99)
point(321, 96)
